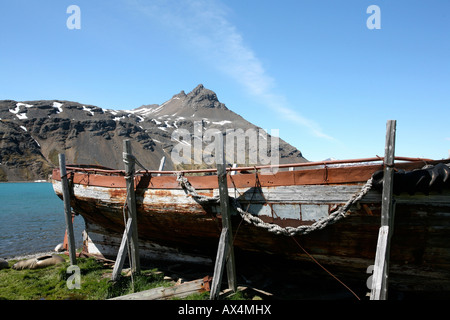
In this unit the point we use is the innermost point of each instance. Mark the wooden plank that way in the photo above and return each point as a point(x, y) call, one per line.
point(225, 252)
point(165, 293)
point(226, 213)
point(380, 285)
point(388, 178)
point(226, 223)
point(328, 194)
point(220, 264)
point(131, 203)
point(123, 249)
point(378, 278)
point(67, 209)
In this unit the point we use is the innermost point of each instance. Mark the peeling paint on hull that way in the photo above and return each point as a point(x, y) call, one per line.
point(172, 225)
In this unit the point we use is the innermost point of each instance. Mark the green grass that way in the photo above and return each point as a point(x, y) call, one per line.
point(148, 279)
point(51, 283)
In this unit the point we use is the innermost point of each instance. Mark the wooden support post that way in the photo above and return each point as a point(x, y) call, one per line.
point(66, 241)
point(67, 209)
point(225, 252)
point(128, 159)
point(381, 269)
point(122, 251)
point(161, 165)
point(220, 264)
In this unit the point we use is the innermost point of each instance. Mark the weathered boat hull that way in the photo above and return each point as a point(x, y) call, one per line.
point(172, 225)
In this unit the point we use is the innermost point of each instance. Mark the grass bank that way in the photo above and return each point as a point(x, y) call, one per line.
point(51, 283)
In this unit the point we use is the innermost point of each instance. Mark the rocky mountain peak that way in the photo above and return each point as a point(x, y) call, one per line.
point(180, 95)
point(198, 89)
point(201, 97)
point(33, 133)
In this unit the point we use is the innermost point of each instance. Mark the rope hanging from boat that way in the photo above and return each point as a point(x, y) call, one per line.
point(335, 216)
point(302, 230)
point(187, 187)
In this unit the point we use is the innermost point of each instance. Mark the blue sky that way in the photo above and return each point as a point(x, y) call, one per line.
point(311, 69)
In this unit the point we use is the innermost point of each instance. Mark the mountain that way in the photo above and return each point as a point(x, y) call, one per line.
point(33, 133)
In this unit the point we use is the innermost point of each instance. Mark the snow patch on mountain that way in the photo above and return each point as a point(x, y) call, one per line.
point(221, 123)
point(58, 106)
point(88, 110)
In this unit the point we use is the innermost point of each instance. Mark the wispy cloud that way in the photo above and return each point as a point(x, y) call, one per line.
point(205, 26)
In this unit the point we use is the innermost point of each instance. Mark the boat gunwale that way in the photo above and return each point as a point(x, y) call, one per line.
point(327, 173)
point(100, 169)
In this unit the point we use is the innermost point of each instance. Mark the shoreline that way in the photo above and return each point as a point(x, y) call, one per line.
point(32, 255)
point(25, 181)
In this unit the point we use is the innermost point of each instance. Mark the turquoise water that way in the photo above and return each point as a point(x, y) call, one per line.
point(32, 219)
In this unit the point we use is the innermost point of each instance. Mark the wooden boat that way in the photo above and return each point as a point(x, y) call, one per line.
point(331, 208)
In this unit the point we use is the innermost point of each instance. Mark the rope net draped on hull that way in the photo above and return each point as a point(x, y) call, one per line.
point(332, 218)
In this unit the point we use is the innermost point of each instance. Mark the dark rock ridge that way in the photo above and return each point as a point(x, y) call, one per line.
point(33, 133)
